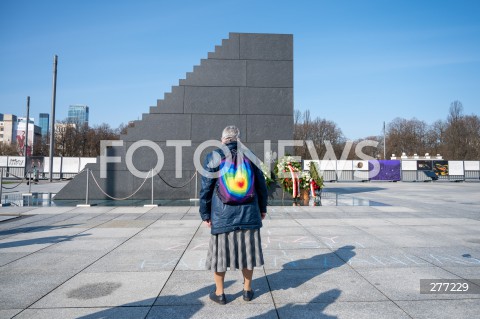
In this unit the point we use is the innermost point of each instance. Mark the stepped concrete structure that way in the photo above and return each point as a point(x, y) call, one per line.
point(247, 81)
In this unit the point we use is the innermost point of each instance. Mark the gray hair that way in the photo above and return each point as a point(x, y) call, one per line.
point(230, 134)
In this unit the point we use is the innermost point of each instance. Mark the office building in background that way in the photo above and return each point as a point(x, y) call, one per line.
point(78, 114)
point(43, 123)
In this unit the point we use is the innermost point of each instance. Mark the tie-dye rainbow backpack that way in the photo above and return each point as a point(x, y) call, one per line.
point(236, 186)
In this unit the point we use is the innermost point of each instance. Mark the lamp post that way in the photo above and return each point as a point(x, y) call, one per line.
point(52, 123)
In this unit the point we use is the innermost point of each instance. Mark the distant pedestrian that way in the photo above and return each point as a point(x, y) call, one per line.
point(233, 204)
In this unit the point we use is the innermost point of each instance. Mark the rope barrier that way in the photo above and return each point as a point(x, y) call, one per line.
point(158, 174)
point(116, 198)
point(19, 183)
point(138, 189)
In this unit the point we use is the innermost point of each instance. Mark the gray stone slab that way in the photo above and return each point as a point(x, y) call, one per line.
point(212, 100)
point(404, 283)
point(357, 241)
point(16, 210)
point(268, 223)
point(334, 230)
point(138, 211)
point(125, 224)
point(146, 158)
point(230, 48)
point(269, 127)
point(174, 223)
point(273, 74)
point(165, 232)
point(302, 286)
point(12, 245)
point(407, 237)
point(86, 244)
point(358, 222)
point(137, 261)
point(161, 243)
point(48, 232)
point(335, 309)
point(112, 232)
point(193, 287)
point(199, 243)
point(213, 311)
point(53, 263)
point(151, 216)
point(106, 290)
point(91, 210)
point(465, 272)
point(266, 46)
point(19, 289)
point(218, 73)
point(50, 210)
point(75, 313)
point(284, 231)
point(266, 101)
point(5, 217)
point(385, 257)
point(447, 256)
point(302, 259)
point(192, 260)
point(215, 125)
point(290, 242)
point(172, 102)
point(6, 258)
point(322, 222)
point(9, 313)
point(427, 309)
point(164, 126)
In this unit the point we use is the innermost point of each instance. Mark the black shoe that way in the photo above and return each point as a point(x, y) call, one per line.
point(218, 299)
point(247, 295)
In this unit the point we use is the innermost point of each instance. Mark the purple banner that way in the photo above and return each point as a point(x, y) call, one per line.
point(390, 170)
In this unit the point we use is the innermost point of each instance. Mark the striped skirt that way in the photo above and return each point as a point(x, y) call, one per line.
point(238, 249)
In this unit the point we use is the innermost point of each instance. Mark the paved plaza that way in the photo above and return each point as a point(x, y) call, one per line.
point(320, 262)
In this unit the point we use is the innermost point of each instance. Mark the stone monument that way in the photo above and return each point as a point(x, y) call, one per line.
point(247, 81)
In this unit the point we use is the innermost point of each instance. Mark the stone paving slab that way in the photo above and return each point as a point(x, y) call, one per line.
point(85, 313)
point(193, 287)
point(137, 261)
point(7, 217)
point(291, 242)
point(6, 257)
point(106, 290)
point(321, 262)
point(20, 289)
point(9, 313)
point(382, 258)
point(404, 283)
point(323, 285)
point(339, 309)
point(303, 259)
point(428, 309)
point(201, 312)
point(152, 244)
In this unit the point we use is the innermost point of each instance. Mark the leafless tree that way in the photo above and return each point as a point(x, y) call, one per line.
point(319, 131)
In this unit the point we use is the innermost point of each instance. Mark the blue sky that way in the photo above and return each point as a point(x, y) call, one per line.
point(357, 63)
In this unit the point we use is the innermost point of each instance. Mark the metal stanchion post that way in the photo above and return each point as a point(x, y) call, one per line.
point(1, 186)
point(29, 181)
point(196, 188)
point(86, 192)
point(151, 204)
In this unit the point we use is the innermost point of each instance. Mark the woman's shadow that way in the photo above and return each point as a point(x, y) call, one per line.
point(306, 269)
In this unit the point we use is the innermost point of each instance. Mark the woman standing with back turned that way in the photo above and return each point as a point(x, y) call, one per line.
point(233, 203)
